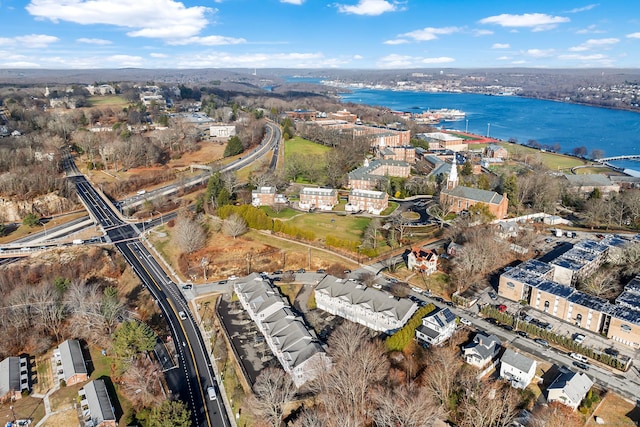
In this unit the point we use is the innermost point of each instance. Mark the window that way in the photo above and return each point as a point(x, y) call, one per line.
point(578, 319)
point(625, 327)
point(546, 306)
point(511, 285)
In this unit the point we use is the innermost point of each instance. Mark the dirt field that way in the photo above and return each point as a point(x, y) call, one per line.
point(616, 411)
point(68, 417)
point(208, 152)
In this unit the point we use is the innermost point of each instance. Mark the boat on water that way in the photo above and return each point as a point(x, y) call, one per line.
point(448, 114)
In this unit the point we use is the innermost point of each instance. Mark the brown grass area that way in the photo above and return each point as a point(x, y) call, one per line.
point(65, 397)
point(614, 411)
point(65, 418)
point(208, 151)
point(27, 407)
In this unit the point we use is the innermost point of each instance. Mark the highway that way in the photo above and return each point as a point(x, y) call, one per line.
point(195, 374)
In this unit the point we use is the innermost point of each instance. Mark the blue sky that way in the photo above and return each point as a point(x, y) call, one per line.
point(364, 34)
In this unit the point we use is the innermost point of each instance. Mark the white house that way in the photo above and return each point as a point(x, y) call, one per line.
point(482, 350)
point(424, 260)
point(437, 326)
point(14, 378)
point(519, 370)
point(296, 346)
point(569, 388)
point(222, 131)
point(97, 409)
point(358, 303)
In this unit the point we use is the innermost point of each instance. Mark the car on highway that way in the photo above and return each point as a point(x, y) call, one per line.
point(211, 391)
point(493, 295)
point(464, 321)
point(581, 365)
point(523, 334)
point(579, 338)
point(187, 286)
point(579, 357)
point(182, 315)
point(542, 342)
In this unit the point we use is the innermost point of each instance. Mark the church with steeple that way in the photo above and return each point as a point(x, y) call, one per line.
point(460, 198)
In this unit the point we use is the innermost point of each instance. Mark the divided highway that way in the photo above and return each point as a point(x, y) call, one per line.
point(194, 375)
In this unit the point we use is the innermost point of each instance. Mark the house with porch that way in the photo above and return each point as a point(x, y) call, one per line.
point(482, 350)
point(516, 368)
point(437, 327)
point(569, 388)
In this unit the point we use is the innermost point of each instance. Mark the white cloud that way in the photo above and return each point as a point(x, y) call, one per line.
point(591, 29)
point(369, 7)
point(519, 62)
point(296, 2)
point(207, 41)
point(582, 9)
point(259, 60)
point(539, 53)
point(30, 41)
point(407, 61)
point(358, 57)
point(101, 42)
point(503, 58)
point(125, 60)
point(633, 36)
point(535, 21)
point(480, 33)
point(158, 55)
point(425, 34)
point(164, 19)
point(500, 46)
point(19, 64)
point(594, 43)
point(396, 41)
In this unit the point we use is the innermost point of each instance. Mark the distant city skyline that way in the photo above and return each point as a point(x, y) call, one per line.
point(347, 34)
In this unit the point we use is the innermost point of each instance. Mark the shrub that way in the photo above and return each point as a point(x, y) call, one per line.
point(399, 340)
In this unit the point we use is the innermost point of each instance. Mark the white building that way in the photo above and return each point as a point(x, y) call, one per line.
point(222, 131)
point(569, 388)
point(296, 346)
point(519, 370)
point(358, 303)
point(437, 327)
point(482, 350)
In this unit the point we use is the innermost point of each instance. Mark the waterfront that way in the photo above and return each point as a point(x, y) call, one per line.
point(569, 125)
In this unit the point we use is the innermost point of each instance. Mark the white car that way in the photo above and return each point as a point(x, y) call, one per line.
point(465, 321)
point(579, 339)
point(579, 357)
point(212, 393)
point(416, 290)
point(377, 286)
point(182, 315)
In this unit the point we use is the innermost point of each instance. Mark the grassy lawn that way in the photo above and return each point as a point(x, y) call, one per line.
point(290, 290)
point(345, 227)
point(302, 146)
point(552, 161)
point(285, 213)
point(604, 170)
point(107, 100)
point(65, 397)
point(27, 407)
point(614, 410)
point(392, 207)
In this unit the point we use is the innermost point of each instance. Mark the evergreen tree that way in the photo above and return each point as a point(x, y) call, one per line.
point(234, 147)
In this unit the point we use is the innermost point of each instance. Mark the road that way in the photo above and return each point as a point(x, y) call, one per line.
point(195, 374)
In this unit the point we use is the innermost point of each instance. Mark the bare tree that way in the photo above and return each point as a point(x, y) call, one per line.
point(442, 373)
point(234, 226)
point(273, 389)
point(488, 405)
point(440, 212)
point(188, 235)
point(370, 239)
point(555, 414)
point(141, 383)
point(601, 283)
point(406, 405)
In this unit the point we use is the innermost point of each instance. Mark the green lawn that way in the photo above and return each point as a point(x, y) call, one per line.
point(110, 100)
point(344, 227)
point(553, 161)
point(302, 146)
point(285, 213)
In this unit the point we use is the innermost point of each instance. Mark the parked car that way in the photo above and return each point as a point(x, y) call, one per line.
point(612, 352)
point(581, 365)
point(320, 270)
point(416, 290)
point(187, 286)
point(542, 342)
point(579, 338)
point(548, 327)
point(492, 320)
point(523, 334)
point(301, 270)
point(493, 295)
point(377, 286)
point(507, 327)
point(222, 282)
point(579, 357)
point(278, 272)
point(502, 308)
point(464, 321)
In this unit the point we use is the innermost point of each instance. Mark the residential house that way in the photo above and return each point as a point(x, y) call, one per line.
point(454, 249)
point(507, 229)
point(373, 308)
point(516, 368)
point(288, 336)
point(569, 388)
point(371, 174)
point(97, 410)
point(370, 201)
point(263, 196)
point(222, 131)
point(495, 151)
point(424, 260)
point(318, 198)
point(14, 378)
point(437, 327)
point(70, 364)
point(482, 350)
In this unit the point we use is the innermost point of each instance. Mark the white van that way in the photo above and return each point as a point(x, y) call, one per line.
point(212, 393)
point(182, 315)
point(579, 357)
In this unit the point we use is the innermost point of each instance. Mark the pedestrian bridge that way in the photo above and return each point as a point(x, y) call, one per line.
point(627, 157)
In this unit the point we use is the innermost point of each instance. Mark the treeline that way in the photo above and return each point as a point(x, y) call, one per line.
point(258, 220)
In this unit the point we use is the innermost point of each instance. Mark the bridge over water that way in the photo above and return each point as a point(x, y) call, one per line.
point(625, 157)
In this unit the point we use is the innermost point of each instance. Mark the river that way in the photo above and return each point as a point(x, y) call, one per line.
point(615, 132)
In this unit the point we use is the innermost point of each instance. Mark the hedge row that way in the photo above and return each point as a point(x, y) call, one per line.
point(402, 337)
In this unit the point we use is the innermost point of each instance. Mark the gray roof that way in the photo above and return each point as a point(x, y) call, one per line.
point(98, 400)
point(366, 172)
point(590, 301)
point(72, 358)
point(484, 344)
point(442, 316)
point(589, 180)
point(264, 190)
point(475, 194)
point(442, 168)
point(319, 191)
point(371, 194)
point(370, 298)
point(630, 297)
point(517, 360)
point(575, 385)
point(425, 330)
point(9, 375)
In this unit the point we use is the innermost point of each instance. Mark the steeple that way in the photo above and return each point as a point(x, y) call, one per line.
point(452, 180)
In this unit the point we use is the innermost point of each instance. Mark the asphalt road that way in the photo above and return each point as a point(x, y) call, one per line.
point(190, 380)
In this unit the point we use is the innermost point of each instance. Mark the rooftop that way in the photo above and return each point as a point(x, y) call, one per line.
point(575, 385)
point(475, 194)
point(98, 401)
point(517, 360)
point(311, 191)
point(371, 194)
point(589, 180)
point(441, 136)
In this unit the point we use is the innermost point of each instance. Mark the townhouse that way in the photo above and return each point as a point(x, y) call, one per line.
point(371, 174)
point(14, 378)
point(318, 198)
point(370, 201)
point(97, 410)
point(294, 344)
point(70, 365)
point(263, 196)
point(373, 308)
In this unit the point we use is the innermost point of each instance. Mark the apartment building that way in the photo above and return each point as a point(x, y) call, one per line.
point(370, 201)
point(372, 173)
point(318, 198)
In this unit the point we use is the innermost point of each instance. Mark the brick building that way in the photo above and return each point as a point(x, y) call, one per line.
point(318, 198)
point(373, 202)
